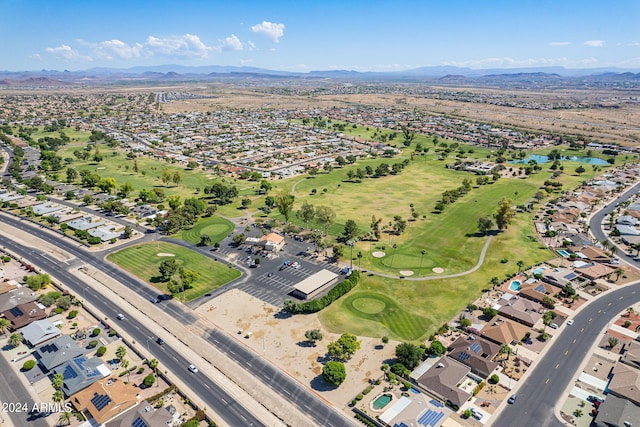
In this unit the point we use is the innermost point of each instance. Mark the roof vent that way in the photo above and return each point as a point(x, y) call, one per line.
point(440, 365)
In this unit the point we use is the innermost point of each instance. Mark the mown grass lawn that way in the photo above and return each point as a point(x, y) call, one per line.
point(215, 227)
point(143, 261)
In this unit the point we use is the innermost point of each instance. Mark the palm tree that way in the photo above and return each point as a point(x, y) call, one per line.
point(121, 351)
point(619, 272)
point(58, 396)
point(495, 282)
point(630, 311)
point(15, 339)
point(4, 325)
point(125, 364)
point(520, 265)
point(64, 419)
point(505, 349)
point(153, 364)
point(613, 341)
point(57, 380)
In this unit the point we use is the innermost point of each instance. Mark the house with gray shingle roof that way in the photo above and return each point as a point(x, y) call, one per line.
point(37, 332)
point(57, 352)
point(81, 372)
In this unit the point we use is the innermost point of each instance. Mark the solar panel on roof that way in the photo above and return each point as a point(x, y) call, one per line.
point(475, 347)
point(69, 373)
point(139, 422)
point(571, 276)
point(540, 288)
point(463, 356)
point(100, 401)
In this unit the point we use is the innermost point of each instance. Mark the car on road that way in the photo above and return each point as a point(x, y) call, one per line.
point(154, 300)
point(160, 341)
point(569, 322)
point(120, 316)
point(512, 399)
point(193, 369)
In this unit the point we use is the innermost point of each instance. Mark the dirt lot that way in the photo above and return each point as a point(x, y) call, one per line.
point(281, 340)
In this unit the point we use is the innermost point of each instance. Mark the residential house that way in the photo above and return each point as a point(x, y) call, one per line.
point(591, 253)
point(15, 297)
point(521, 310)
point(105, 399)
point(628, 220)
point(57, 352)
point(578, 239)
point(559, 277)
point(23, 314)
point(504, 331)
point(537, 291)
point(625, 383)
point(617, 412)
point(144, 415)
point(40, 331)
point(476, 353)
point(595, 271)
point(416, 409)
point(80, 372)
point(7, 286)
point(631, 355)
point(627, 230)
point(443, 378)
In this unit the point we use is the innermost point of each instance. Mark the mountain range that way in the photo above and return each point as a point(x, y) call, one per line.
point(442, 74)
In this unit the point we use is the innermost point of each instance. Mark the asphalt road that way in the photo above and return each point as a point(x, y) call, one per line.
point(231, 411)
point(545, 386)
point(280, 383)
point(15, 396)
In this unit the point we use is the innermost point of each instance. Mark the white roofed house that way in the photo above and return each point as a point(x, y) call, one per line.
point(40, 331)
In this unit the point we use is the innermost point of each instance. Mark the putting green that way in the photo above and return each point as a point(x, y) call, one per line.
point(368, 305)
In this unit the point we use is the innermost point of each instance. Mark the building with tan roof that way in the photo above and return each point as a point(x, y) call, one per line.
point(504, 331)
point(625, 383)
point(443, 378)
point(105, 399)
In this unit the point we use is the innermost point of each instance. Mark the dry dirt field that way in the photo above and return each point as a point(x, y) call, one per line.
point(281, 340)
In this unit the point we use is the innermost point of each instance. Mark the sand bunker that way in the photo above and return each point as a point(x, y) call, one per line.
point(378, 254)
point(165, 254)
point(437, 270)
point(406, 272)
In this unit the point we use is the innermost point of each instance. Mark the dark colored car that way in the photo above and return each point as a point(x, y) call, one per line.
point(512, 399)
point(160, 341)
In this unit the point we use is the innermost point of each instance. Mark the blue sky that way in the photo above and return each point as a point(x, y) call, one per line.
point(302, 36)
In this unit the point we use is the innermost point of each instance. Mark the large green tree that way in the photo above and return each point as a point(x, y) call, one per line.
point(409, 355)
point(325, 216)
point(306, 213)
point(344, 347)
point(505, 214)
point(351, 230)
point(334, 373)
point(284, 204)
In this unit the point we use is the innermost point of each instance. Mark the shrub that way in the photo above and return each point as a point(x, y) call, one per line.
point(359, 397)
point(92, 344)
point(140, 370)
point(367, 390)
point(28, 365)
point(478, 388)
point(112, 332)
point(494, 379)
point(72, 314)
point(101, 351)
point(149, 380)
point(95, 332)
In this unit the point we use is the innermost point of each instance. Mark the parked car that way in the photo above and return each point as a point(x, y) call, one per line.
point(512, 399)
point(554, 325)
point(476, 414)
point(569, 322)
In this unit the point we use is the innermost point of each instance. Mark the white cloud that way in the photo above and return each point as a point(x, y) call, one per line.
point(188, 45)
point(36, 56)
point(271, 30)
point(66, 52)
point(559, 43)
point(232, 43)
point(594, 43)
point(110, 48)
point(251, 45)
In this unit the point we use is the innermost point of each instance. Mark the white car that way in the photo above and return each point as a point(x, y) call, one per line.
point(193, 369)
point(476, 414)
point(569, 322)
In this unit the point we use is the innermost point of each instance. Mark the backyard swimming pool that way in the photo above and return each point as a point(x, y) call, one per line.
point(382, 401)
point(515, 285)
point(563, 252)
point(539, 270)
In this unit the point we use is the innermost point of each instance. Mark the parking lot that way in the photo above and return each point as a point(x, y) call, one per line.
point(269, 280)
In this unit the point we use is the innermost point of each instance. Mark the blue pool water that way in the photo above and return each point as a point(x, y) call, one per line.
point(515, 285)
point(539, 270)
point(563, 252)
point(544, 159)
